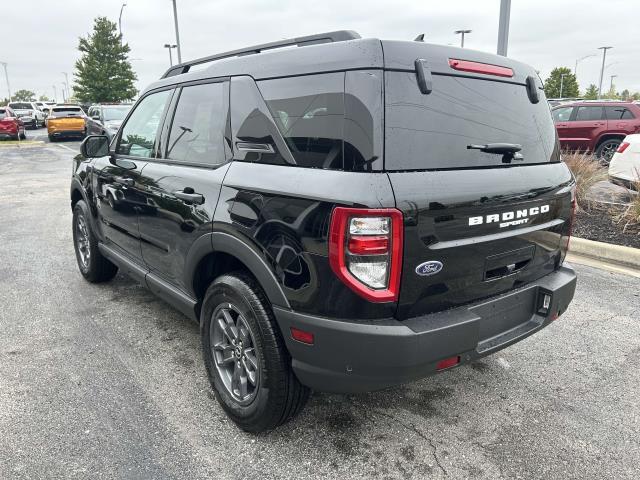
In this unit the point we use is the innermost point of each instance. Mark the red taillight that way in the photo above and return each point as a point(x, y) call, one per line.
point(448, 363)
point(477, 67)
point(302, 336)
point(365, 251)
point(622, 147)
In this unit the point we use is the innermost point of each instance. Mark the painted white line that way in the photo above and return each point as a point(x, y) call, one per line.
point(68, 148)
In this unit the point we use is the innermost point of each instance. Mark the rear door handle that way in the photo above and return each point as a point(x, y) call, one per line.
point(561, 124)
point(124, 181)
point(196, 198)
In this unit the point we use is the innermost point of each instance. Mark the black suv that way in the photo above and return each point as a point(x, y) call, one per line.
point(345, 216)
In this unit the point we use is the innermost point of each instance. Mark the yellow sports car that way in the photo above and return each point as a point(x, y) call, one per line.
point(66, 121)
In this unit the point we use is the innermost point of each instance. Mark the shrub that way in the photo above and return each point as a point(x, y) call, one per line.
point(587, 171)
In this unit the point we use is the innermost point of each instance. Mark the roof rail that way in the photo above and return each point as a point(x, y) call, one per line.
point(329, 37)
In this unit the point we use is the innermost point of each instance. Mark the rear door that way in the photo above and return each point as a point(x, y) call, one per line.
point(181, 188)
point(587, 124)
point(118, 183)
point(475, 224)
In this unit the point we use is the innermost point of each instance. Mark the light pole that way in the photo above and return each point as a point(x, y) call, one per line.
point(578, 60)
point(6, 76)
point(503, 27)
point(604, 56)
point(55, 94)
point(175, 19)
point(169, 47)
point(611, 82)
point(64, 97)
point(66, 83)
point(562, 75)
point(120, 21)
point(462, 32)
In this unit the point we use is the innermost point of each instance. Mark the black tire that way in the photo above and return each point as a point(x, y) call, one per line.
point(277, 395)
point(94, 267)
point(52, 138)
point(22, 136)
point(606, 149)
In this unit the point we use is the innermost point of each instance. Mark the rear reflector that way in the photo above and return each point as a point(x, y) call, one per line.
point(448, 363)
point(623, 146)
point(302, 336)
point(477, 67)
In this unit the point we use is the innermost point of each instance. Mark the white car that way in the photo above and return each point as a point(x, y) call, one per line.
point(29, 113)
point(624, 167)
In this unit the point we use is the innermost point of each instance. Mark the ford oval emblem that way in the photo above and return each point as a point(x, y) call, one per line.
point(429, 268)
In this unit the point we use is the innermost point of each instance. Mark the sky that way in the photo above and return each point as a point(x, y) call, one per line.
point(543, 33)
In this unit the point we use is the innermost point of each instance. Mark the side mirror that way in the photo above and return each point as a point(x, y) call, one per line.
point(95, 146)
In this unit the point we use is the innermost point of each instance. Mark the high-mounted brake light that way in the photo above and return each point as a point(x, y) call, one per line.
point(622, 147)
point(365, 251)
point(477, 67)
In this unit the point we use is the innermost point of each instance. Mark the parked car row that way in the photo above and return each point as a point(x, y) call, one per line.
point(597, 127)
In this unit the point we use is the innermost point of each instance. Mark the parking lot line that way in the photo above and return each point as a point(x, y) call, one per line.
point(68, 148)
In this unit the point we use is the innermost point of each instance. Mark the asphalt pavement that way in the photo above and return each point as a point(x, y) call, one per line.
point(107, 381)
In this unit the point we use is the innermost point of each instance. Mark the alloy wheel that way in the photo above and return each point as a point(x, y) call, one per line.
point(82, 241)
point(234, 354)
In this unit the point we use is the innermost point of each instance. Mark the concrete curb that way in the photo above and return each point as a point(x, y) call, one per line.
point(627, 256)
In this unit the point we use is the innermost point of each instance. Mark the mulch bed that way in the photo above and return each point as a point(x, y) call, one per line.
point(599, 224)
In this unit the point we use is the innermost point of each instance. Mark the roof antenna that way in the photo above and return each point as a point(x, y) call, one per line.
point(419, 38)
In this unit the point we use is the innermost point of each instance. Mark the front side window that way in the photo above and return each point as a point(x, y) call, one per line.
point(562, 114)
point(197, 130)
point(139, 133)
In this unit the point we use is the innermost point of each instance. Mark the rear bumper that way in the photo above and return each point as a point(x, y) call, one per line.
point(66, 133)
point(358, 357)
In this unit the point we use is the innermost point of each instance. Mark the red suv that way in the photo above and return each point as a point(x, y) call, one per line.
point(596, 126)
point(10, 125)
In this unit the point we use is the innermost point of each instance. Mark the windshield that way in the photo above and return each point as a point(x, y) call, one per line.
point(21, 106)
point(66, 112)
point(434, 131)
point(115, 113)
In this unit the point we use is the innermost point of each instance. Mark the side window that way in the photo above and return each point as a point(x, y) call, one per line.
point(198, 127)
point(562, 114)
point(588, 113)
point(139, 133)
point(309, 112)
point(618, 113)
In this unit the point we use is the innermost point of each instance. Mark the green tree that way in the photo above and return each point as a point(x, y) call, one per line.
point(611, 93)
point(569, 84)
point(625, 94)
point(23, 96)
point(635, 96)
point(103, 72)
point(591, 93)
point(44, 98)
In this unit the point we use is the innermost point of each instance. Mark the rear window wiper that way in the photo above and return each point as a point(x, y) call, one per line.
point(509, 151)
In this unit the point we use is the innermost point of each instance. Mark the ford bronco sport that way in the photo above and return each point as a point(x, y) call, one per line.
point(344, 216)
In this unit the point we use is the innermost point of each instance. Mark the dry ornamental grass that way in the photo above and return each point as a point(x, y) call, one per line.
point(587, 171)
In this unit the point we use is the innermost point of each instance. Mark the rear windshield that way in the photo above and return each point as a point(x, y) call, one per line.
point(66, 111)
point(21, 106)
point(3, 113)
point(433, 131)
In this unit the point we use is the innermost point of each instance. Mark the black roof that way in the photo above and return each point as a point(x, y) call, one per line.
point(330, 52)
